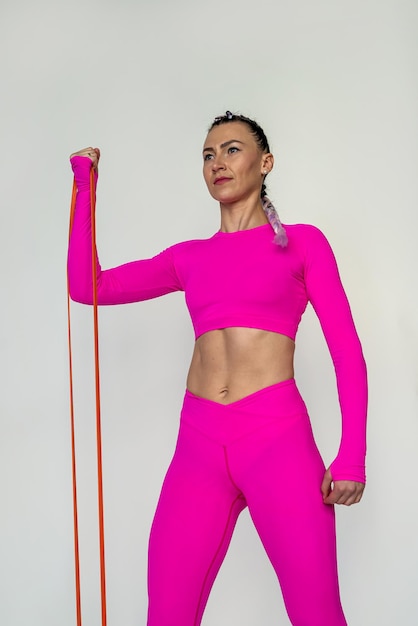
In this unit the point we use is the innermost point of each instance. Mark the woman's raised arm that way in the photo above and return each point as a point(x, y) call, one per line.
point(131, 282)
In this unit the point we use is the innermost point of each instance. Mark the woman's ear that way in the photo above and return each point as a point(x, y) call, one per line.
point(267, 163)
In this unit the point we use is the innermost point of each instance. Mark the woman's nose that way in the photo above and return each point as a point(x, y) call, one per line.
point(217, 164)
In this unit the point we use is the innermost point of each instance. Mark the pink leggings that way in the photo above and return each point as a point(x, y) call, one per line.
point(257, 452)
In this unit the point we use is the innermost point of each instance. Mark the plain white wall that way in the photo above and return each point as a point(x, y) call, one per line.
point(334, 84)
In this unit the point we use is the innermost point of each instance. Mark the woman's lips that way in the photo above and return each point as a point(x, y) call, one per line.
point(221, 181)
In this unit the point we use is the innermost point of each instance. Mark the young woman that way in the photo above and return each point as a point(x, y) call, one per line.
point(245, 438)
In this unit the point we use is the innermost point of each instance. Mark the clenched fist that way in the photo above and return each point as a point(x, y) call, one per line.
point(92, 153)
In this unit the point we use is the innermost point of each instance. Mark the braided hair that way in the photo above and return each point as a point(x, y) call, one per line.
point(280, 237)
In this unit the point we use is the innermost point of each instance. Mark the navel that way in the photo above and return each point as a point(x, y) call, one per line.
point(224, 392)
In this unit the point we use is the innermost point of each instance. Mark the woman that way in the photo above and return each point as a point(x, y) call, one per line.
point(245, 438)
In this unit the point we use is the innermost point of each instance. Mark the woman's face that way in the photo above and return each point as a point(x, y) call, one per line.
point(233, 164)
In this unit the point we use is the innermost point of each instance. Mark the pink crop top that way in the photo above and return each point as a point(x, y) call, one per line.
point(242, 279)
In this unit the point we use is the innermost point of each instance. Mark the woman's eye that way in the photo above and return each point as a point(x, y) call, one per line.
point(233, 149)
point(207, 157)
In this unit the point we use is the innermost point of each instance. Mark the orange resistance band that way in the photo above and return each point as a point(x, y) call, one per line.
point(98, 420)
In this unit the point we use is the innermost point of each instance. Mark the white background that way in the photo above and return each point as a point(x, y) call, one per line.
point(334, 84)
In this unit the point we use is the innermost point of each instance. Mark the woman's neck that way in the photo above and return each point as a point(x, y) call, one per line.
point(242, 215)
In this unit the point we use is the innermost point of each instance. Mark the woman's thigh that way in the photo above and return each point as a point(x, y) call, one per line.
point(280, 474)
point(191, 531)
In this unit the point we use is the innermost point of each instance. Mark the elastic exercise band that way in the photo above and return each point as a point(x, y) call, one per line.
point(98, 420)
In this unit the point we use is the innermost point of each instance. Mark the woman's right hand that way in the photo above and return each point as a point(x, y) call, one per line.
point(92, 153)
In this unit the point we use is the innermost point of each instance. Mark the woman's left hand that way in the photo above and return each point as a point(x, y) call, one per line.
point(341, 491)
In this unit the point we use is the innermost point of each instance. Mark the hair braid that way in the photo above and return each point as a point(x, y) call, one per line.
point(280, 237)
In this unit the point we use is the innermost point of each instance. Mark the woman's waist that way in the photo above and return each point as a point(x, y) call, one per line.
point(232, 363)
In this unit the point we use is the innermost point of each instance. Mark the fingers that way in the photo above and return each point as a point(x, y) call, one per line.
point(345, 492)
point(92, 153)
point(346, 496)
point(343, 496)
point(326, 484)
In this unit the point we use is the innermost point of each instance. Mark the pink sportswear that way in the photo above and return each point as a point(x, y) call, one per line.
point(257, 453)
point(242, 279)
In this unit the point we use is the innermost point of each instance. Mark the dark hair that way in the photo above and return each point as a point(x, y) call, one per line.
point(255, 128)
point(262, 142)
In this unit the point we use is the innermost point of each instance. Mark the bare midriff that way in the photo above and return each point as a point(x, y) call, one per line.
point(231, 363)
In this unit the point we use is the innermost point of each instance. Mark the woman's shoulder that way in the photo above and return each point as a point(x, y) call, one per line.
point(189, 249)
point(303, 230)
point(306, 234)
point(309, 242)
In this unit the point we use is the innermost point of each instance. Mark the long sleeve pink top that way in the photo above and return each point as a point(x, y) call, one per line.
point(242, 279)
